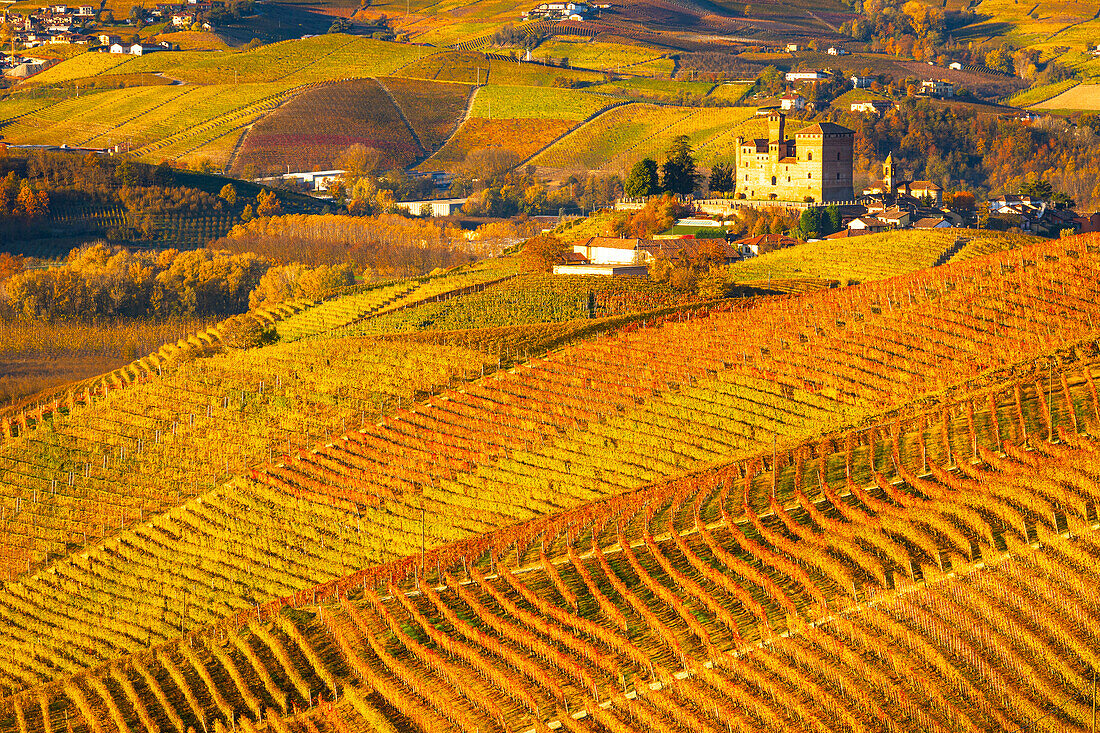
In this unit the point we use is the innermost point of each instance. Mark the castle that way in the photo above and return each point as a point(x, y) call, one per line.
point(815, 165)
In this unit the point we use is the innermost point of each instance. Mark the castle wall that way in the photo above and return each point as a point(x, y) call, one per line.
point(817, 163)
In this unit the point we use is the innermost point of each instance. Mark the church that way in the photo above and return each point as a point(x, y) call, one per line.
point(815, 165)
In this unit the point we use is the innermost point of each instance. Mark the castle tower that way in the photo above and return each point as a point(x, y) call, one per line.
point(888, 173)
point(777, 123)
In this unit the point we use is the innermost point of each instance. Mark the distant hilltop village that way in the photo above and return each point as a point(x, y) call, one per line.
point(815, 165)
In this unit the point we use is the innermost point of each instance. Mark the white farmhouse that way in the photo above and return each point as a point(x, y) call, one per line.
point(806, 76)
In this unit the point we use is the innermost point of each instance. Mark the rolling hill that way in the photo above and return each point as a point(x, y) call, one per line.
point(928, 567)
point(601, 419)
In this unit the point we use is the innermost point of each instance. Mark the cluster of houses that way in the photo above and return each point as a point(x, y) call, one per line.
point(185, 15)
point(52, 24)
point(559, 11)
point(793, 101)
point(63, 24)
point(1036, 216)
point(113, 44)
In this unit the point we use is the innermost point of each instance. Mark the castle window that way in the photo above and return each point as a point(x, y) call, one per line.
point(838, 155)
point(838, 176)
point(810, 155)
point(746, 176)
point(773, 180)
point(788, 179)
point(809, 175)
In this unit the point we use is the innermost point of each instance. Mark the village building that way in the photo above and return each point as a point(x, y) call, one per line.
point(932, 222)
point(559, 11)
point(764, 243)
point(792, 48)
point(937, 88)
point(614, 256)
point(798, 76)
point(861, 82)
point(837, 51)
point(433, 207)
point(792, 100)
point(846, 233)
point(868, 224)
point(871, 106)
point(815, 165)
point(896, 217)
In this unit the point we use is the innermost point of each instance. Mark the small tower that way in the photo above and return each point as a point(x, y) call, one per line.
point(888, 174)
point(777, 124)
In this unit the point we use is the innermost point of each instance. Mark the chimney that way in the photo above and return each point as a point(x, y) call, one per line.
point(777, 122)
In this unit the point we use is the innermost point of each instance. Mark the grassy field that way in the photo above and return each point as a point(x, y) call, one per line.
point(158, 122)
point(612, 133)
point(729, 92)
point(86, 64)
point(331, 56)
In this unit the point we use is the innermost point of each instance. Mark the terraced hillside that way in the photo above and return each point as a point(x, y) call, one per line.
point(594, 421)
point(935, 571)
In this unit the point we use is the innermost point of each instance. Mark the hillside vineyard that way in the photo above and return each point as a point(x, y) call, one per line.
point(595, 420)
point(904, 576)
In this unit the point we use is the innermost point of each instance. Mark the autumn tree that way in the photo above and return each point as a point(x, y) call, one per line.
point(228, 194)
point(268, 204)
point(542, 252)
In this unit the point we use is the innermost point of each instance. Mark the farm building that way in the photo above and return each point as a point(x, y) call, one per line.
point(559, 11)
point(937, 88)
point(435, 207)
point(816, 164)
point(874, 106)
point(615, 256)
point(806, 76)
point(861, 82)
point(792, 100)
